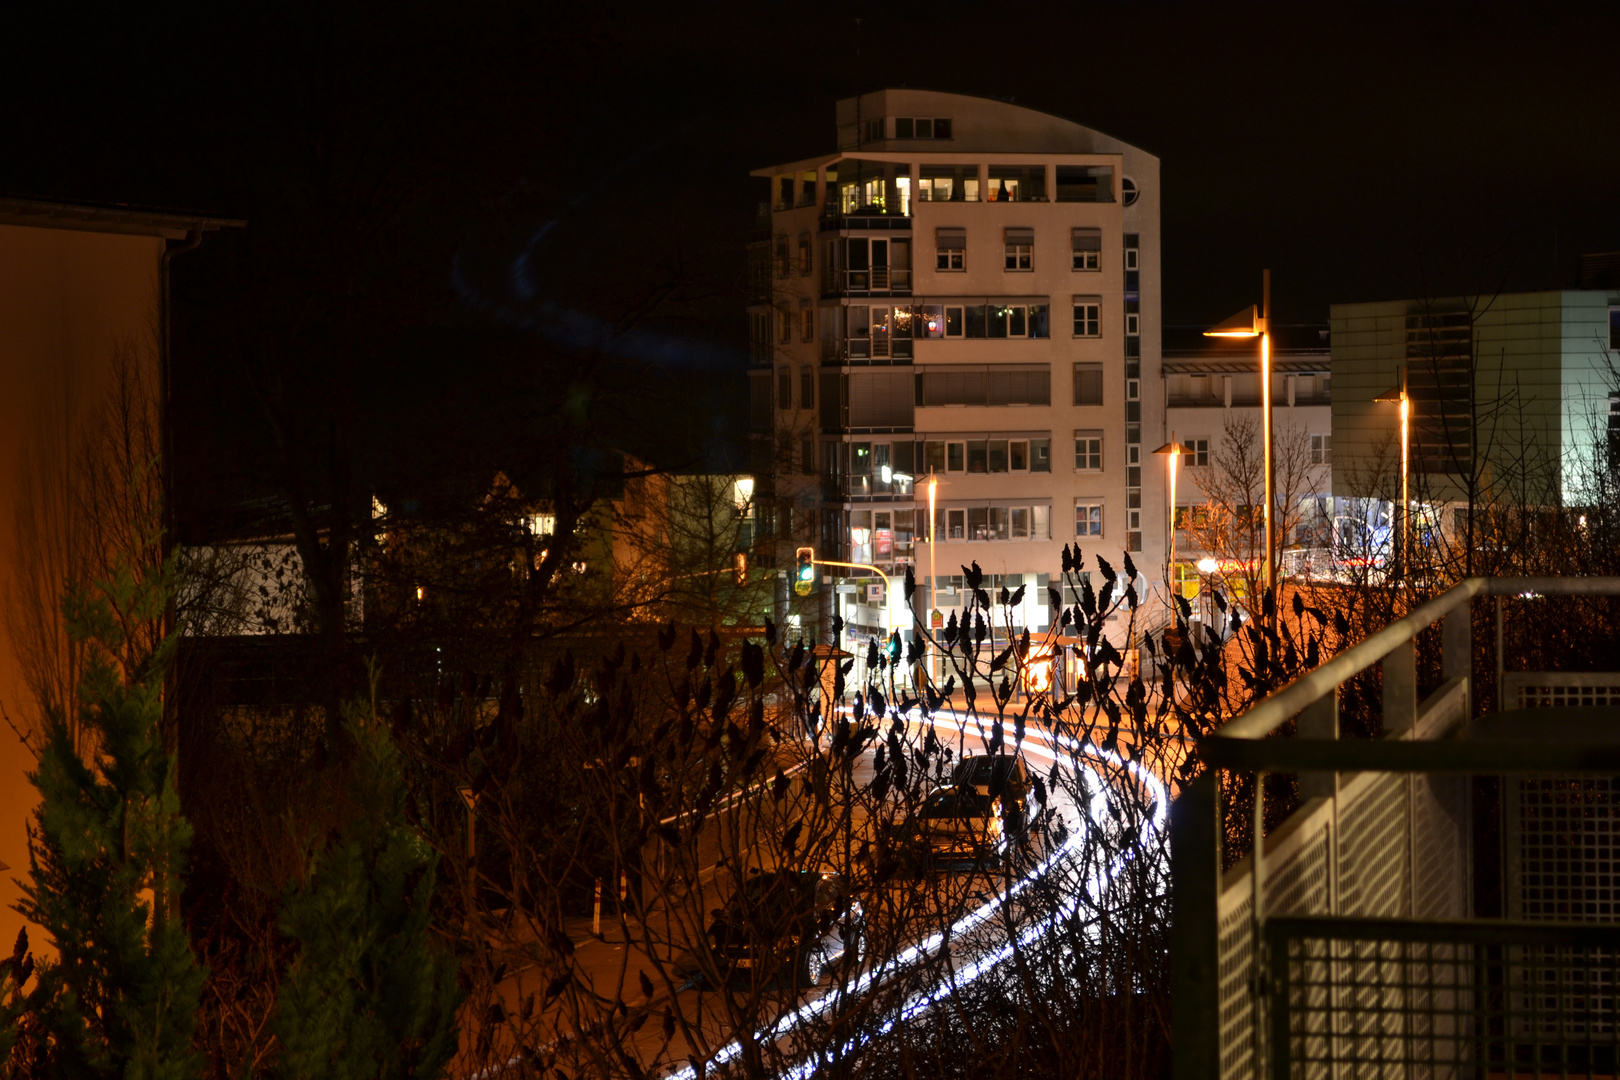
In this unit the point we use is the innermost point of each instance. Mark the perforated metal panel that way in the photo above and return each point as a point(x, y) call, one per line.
point(1374, 860)
point(1563, 831)
point(1562, 860)
point(1442, 998)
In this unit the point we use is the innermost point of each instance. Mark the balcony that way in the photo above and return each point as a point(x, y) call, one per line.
point(1442, 901)
point(835, 220)
point(881, 349)
point(857, 486)
point(876, 281)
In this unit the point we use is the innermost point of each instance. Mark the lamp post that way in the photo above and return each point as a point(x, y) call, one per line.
point(933, 604)
point(1252, 323)
point(1173, 450)
point(1398, 394)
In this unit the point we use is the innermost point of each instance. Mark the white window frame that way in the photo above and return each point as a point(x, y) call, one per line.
point(1130, 259)
point(1089, 456)
point(950, 260)
point(1133, 324)
point(1322, 449)
point(1088, 317)
point(1004, 313)
point(1197, 454)
point(1087, 261)
point(1019, 258)
point(961, 320)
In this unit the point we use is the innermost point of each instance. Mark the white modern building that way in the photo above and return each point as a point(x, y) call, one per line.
point(1212, 397)
point(963, 292)
point(1501, 387)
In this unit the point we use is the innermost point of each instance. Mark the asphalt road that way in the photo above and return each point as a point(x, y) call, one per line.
point(975, 940)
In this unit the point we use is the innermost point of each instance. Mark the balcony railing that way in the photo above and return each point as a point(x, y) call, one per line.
point(1344, 943)
point(833, 220)
point(875, 281)
point(883, 348)
point(866, 487)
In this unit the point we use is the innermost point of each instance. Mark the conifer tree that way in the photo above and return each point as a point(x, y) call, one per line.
point(368, 995)
point(107, 855)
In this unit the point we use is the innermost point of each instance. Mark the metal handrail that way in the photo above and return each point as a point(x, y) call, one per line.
point(1280, 707)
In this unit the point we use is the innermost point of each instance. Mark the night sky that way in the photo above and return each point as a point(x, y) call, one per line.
point(559, 175)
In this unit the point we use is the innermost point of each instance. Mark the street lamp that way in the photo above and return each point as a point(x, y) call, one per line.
point(1174, 450)
point(1207, 566)
point(1398, 394)
point(1257, 323)
point(934, 617)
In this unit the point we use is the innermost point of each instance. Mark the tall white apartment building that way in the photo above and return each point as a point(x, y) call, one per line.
point(965, 290)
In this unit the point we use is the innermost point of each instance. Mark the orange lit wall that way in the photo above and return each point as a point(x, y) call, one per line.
point(68, 298)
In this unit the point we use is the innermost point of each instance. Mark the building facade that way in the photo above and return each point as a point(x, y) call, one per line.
point(1212, 407)
point(82, 326)
point(1513, 390)
point(964, 295)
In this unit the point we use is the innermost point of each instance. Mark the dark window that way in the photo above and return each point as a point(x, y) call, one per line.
point(1086, 245)
point(993, 385)
point(902, 128)
point(784, 388)
point(1088, 384)
point(976, 324)
point(1087, 318)
point(1439, 363)
point(1085, 183)
point(942, 128)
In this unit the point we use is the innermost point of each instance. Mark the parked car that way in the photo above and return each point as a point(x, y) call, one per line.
point(958, 825)
point(1004, 777)
point(786, 921)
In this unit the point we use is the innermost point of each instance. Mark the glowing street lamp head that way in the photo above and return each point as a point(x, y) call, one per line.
point(1246, 323)
point(1207, 565)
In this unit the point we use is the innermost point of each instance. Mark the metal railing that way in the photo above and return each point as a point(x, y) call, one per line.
point(876, 280)
point(1342, 945)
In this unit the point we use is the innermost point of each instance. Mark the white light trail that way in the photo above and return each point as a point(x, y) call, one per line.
point(922, 1001)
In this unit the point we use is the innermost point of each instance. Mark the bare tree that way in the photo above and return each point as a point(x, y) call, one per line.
point(1230, 523)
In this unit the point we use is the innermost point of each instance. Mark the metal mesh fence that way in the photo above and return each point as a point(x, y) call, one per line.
point(1377, 998)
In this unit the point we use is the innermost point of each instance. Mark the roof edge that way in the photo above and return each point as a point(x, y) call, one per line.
point(110, 218)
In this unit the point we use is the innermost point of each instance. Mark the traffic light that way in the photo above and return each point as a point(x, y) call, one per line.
point(740, 569)
point(804, 577)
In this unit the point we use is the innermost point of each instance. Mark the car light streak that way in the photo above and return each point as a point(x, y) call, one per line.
point(924, 1000)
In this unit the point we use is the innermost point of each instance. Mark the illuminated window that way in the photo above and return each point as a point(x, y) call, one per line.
point(1088, 519)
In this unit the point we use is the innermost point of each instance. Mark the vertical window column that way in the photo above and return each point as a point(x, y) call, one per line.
point(1133, 402)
